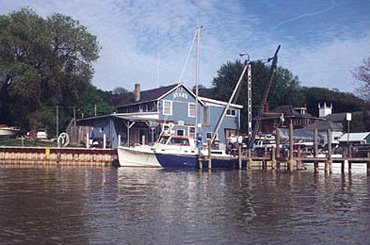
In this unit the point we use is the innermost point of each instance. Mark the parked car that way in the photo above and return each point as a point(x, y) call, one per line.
point(41, 134)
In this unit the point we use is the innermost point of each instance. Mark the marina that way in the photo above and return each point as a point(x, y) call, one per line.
point(68, 204)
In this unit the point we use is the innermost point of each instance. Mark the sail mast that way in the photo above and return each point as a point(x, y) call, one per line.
point(197, 79)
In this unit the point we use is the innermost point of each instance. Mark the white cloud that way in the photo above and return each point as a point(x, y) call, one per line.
point(133, 33)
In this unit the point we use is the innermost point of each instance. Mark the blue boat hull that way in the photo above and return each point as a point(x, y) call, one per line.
point(169, 160)
point(177, 160)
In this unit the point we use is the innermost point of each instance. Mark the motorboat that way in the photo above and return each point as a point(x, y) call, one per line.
point(6, 131)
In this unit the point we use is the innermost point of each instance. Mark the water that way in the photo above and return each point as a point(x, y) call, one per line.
point(69, 205)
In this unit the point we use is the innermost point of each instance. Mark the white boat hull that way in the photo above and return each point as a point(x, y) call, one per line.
point(137, 157)
point(8, 132)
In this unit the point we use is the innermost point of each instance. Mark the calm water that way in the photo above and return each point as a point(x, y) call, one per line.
point(68, 205)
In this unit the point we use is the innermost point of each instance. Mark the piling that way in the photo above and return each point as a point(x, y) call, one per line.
point(240, 155)
point(209, 155)
point(349, 156)
point(329, 161)
point(316, 151)
point(290, 160)
point(200, 159)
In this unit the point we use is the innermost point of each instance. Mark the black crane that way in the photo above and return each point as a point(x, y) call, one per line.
point(273, 70)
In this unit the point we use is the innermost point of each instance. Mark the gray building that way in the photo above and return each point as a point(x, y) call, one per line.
point(170, 109)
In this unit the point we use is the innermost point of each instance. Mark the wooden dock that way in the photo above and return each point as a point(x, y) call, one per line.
point(57, 156)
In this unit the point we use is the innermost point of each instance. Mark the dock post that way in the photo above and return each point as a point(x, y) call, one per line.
point(368, 163)
point(249, 158)
point(298, 156)
point(200, 159)
point(316, 152)
point(349, 156)
point(240, 155)
point(104, 141)
point(273, 158)
point(87, 140)
point(119, 140)
point(290, 160)
point(209, 155)
point(330, 161)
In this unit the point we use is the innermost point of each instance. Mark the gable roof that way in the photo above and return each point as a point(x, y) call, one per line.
point(325, 125)
point(150, 95)
point(288, 112)
point(157, 94)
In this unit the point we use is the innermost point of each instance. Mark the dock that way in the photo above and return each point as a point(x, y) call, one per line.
point(58, 156)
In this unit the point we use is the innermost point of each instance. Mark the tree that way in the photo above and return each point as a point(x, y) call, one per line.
point(362, 74)
point(285, 89)
point(121, 96)
point(44, 63)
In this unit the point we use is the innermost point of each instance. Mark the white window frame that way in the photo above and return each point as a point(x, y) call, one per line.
point(189, 131)
point(164, 107)
point(230, 115)
point(189, 109)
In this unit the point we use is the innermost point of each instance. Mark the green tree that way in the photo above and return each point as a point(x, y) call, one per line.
point(285, 89)
point(44, 63)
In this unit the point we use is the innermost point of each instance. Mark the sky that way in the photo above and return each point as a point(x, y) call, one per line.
point(322, 41)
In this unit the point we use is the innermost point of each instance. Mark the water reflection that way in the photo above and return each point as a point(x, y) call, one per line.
point(151, 206)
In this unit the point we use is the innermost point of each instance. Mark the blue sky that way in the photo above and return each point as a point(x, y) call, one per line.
point(148, 41)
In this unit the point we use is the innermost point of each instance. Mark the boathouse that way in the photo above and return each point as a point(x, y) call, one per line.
point(168, 109)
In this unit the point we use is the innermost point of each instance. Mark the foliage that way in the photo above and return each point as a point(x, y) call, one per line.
point(342, 101)
point(285, 88)
point(121, 96)
point(362, 74)
point(46, 63)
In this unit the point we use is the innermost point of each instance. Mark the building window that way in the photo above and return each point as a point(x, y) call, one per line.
point(180, 132)
point(191, 110)
point(101, 129)
point(209, 135)
point(191, 131)
point(206, 115)
point(167, 107)
point(231, 113)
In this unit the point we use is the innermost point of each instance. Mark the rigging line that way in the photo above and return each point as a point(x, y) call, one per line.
point(187, 57)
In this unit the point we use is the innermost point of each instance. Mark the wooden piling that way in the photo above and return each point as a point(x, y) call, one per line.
point(330, 161)
point(316, 151)
point(349, 156)
point(200, 159)
point(209, 155)
point(368, 163)
point(273, 159)
point(290, 160)
point(299, 154)
point(240, 155)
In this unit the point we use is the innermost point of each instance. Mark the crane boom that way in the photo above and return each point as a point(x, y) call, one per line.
point(273, 70)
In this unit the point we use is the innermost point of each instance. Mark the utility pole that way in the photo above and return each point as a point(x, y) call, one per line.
point(249, 87)
point(57, 120)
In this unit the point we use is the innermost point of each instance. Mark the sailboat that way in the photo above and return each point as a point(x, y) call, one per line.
point(177, 156)
point(174, 151)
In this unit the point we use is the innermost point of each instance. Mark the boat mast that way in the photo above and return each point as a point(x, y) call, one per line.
point(197, 79)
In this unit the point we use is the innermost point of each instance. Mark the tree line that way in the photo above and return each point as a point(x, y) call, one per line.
point(46, 63)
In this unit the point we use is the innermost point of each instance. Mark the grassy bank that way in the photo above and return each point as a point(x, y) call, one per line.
point(27, 143)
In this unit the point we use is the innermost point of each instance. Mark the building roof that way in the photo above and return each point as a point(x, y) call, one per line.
point(288, 112)
point(354, 137)
point(336, 117)
point(325, 125)
point(150, 95)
